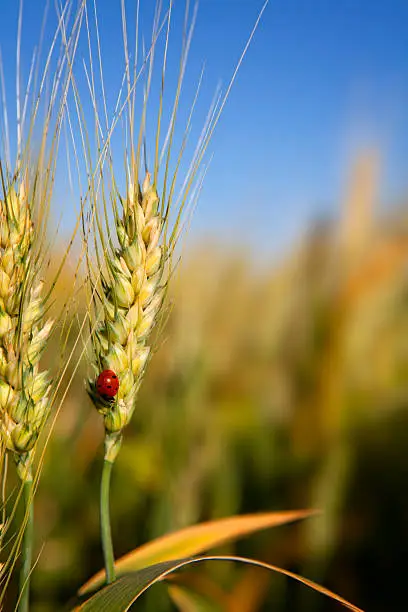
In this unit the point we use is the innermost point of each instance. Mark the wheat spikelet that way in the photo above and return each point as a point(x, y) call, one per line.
point(24, 332)
point(133, 289)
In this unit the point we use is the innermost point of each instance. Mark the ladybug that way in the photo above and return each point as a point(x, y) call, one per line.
point(107, 384)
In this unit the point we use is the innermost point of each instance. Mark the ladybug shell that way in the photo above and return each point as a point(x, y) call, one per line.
point(107, 384)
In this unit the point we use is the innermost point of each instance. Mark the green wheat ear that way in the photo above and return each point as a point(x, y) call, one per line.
point(132, 288)
point(24, 330)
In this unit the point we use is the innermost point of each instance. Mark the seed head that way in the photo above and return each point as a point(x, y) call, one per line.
point(133, 294)
point(23, 332)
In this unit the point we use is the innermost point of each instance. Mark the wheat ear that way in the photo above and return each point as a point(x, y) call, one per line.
point(133, 288)
point(24, 330)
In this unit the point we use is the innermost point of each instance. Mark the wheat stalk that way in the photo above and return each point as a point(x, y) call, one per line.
point(24, 331)
point(128, 273)
point(27, 393)
point(132, 290)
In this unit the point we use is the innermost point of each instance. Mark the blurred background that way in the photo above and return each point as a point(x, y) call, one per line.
point(276, 388)
point(280, 381)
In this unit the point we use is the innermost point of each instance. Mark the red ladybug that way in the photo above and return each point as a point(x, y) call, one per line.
point(107, 384)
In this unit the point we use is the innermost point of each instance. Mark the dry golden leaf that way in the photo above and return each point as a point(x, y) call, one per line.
point(194, 540)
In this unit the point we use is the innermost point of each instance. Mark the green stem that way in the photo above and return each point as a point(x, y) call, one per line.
point(27, 547)
point(106, 535)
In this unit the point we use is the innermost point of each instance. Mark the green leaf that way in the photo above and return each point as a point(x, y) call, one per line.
point(120, 595)
point(195, 540)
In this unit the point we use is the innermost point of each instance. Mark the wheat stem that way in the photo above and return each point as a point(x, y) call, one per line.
point(27, 547)
point(106, 534)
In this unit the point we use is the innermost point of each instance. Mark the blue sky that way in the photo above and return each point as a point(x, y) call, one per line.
point(321, 81)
